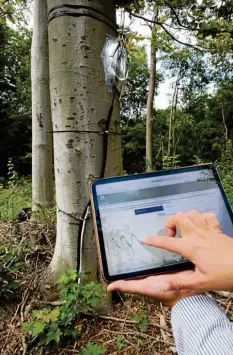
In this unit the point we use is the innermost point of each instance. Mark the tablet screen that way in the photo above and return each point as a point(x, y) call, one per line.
point(133, 208)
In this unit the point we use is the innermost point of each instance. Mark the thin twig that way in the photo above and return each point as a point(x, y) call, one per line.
point(224, 294)
point(126, 321)
point(24, 300)
point(127, 313)
point(52, 303)
point(228, 307)
point(117, 352)
point(143, 335)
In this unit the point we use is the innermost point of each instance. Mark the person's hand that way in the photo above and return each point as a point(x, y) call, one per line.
point(204, 244)
point(155, 287)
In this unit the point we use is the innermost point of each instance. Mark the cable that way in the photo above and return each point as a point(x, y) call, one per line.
point(82, 11)
point(105, 138)
point(69, 6)
point(93, 132)
point(86, 211)
point(81, 243)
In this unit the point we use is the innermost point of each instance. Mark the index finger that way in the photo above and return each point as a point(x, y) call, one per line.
point(179, 222)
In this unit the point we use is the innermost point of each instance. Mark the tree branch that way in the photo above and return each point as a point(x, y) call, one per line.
point(165, 30)
point(144, 18)
point(178, 41)
point(178, 19)
point(155, 22)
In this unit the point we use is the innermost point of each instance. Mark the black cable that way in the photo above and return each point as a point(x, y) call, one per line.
point(105, 139)
point(69, 6)
point(82, 15)
point(95, 15)
point(102, 172)
point(86, 131)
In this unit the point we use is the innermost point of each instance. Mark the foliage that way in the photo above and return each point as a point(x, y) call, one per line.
point(46, 215)
point(54, 326)
point(11, 260)
point(142, 320)
point(134, 99)
point(12, 200)
point(133, 144)
point(15, 99)
point(226, 171)
point(15, 195)
point(121, 344)
point(93, 349)
point(12, 10)
point(12, 174)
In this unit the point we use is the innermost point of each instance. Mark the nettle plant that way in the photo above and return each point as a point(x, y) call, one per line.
point(55, 325)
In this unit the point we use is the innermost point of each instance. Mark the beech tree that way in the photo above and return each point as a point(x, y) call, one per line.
point(81, 105)
point(150, 102)
point(42, 170)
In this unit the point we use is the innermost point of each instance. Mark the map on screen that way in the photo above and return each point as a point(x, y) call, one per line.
point(133, 209)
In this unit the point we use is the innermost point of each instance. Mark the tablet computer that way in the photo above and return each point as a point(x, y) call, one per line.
point(128, 208)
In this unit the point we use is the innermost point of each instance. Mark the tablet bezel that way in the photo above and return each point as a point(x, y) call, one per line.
point(97, 220)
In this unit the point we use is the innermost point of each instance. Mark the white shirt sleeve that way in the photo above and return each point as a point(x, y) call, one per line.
point(200, 327)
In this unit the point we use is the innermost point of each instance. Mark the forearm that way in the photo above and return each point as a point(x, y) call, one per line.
point(200, 327)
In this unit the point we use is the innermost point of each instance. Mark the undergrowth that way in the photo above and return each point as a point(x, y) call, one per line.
point(56, 325)
point(13, 199)
point(11, 260)
point(14, 195)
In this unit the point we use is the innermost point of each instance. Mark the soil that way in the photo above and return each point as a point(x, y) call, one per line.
point(105, 330)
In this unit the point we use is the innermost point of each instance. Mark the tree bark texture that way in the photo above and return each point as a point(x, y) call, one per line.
point(150, 108)
point(42, 170)
point(80, 104)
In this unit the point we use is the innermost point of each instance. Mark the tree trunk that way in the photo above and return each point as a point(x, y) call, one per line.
point(80, 105)
point(42, 171)
point(150, 108)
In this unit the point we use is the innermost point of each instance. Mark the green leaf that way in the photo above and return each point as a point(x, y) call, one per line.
point(63, 279)
point(72, 274)
point(46, 316)
point(121, 344)
point(53, 335)
point(93, 349)
point(27, 326)
point(38, 328)
point(94, 302)
point(144, 324)
point(15, 267)
point(142, 320)
point(54, 315)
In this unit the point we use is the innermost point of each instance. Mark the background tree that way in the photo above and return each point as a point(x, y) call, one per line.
point(13, 11)
point(133, 102)
point(15, 99)
point(151, 95)
point(42, 169)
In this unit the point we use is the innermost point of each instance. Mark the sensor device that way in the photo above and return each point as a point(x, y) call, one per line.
point(128, 208)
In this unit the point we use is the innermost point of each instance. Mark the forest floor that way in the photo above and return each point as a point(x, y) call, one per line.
point(117, 333)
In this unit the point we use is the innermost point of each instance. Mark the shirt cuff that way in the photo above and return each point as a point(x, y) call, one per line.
point(201, 327)
point(194, 307)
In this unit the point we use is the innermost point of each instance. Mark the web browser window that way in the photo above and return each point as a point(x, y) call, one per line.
point(131, 210)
